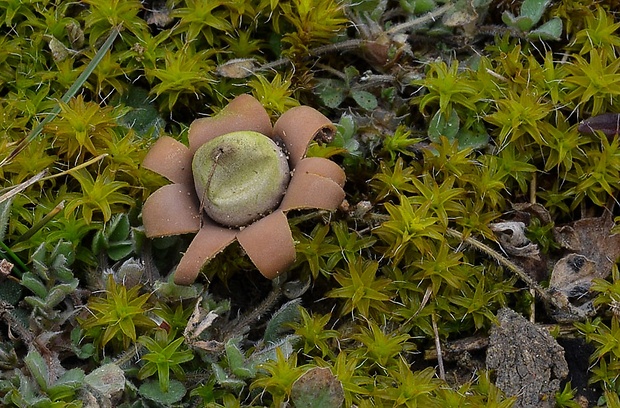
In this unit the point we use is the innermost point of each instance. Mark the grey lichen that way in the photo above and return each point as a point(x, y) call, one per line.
point(528, 362)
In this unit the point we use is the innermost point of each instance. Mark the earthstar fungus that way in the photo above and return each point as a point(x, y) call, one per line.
point(237, 180)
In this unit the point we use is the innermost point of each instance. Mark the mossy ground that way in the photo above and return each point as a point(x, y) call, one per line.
point(451, 117)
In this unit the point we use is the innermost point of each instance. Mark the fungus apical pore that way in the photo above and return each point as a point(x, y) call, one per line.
point(239, 177)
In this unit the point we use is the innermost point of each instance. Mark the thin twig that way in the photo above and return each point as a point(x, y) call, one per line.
point(425, 299)
point(442, 371)
point(13, 191)
point(427, 18)
point(128, 355)
point(521, 274)
point(239, 327)
point(14, 324)
point(72, 169)
point(41, 223)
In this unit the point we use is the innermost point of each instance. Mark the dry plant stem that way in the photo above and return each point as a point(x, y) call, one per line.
point(14, 325)
point(442, 371)
point(453, 350)
point(521, 274)
point(128, 355)
point(532, 307)
point(533, 201)
point(432, 16)
point(427, 295)
point(22, 186)
point(238, 327)
point(331, 70)
point(496, 30)
point(501, 259)
point(357, 43)
point(316, 52)
point(81, 166)
point(33, 230)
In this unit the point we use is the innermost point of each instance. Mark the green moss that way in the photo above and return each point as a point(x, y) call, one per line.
point(437, 140)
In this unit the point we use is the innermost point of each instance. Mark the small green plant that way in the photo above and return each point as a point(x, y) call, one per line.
point(418, 6)
point(97, 194)
point(393, 180)
point(399, 144)
point(473, 135)
point(317, 250)
point(114, 239)
point(542, 235)
point(531, 13)
point(598, 33)
point(380, 346)
point(311, 329)
point(361, 288)
point(518, 116)
point(117, 317)
point(411, 389)
point(165, 354)
point(44, 387)
point(51, 280)
point(565, 398)
point(447, 88)
point(408, 230)
point(591, 81)
point(333, 92)
point(603, 334)
point(279, 376)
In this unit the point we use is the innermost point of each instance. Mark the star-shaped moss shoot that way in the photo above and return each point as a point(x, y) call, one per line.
point(237, 180)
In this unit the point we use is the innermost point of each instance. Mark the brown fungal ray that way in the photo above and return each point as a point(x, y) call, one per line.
point(171, 159)
point(269, 244)
point(175, 209)
point(298, 126)
point(307, 190)
point(171, 210)
point(608, 123)
point(210, 241)
point(242, 113)
point(322, 167)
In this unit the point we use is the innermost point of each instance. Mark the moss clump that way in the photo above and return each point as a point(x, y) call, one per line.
point(447, 122)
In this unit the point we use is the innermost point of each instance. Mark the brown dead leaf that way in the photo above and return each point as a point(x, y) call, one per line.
point(318, 387)
point(572, 275)
point(512, 239)
point(592, 238)
point(594, 250)
point(237, 68)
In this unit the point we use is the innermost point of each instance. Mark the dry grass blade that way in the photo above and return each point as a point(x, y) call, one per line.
point(13, 191)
